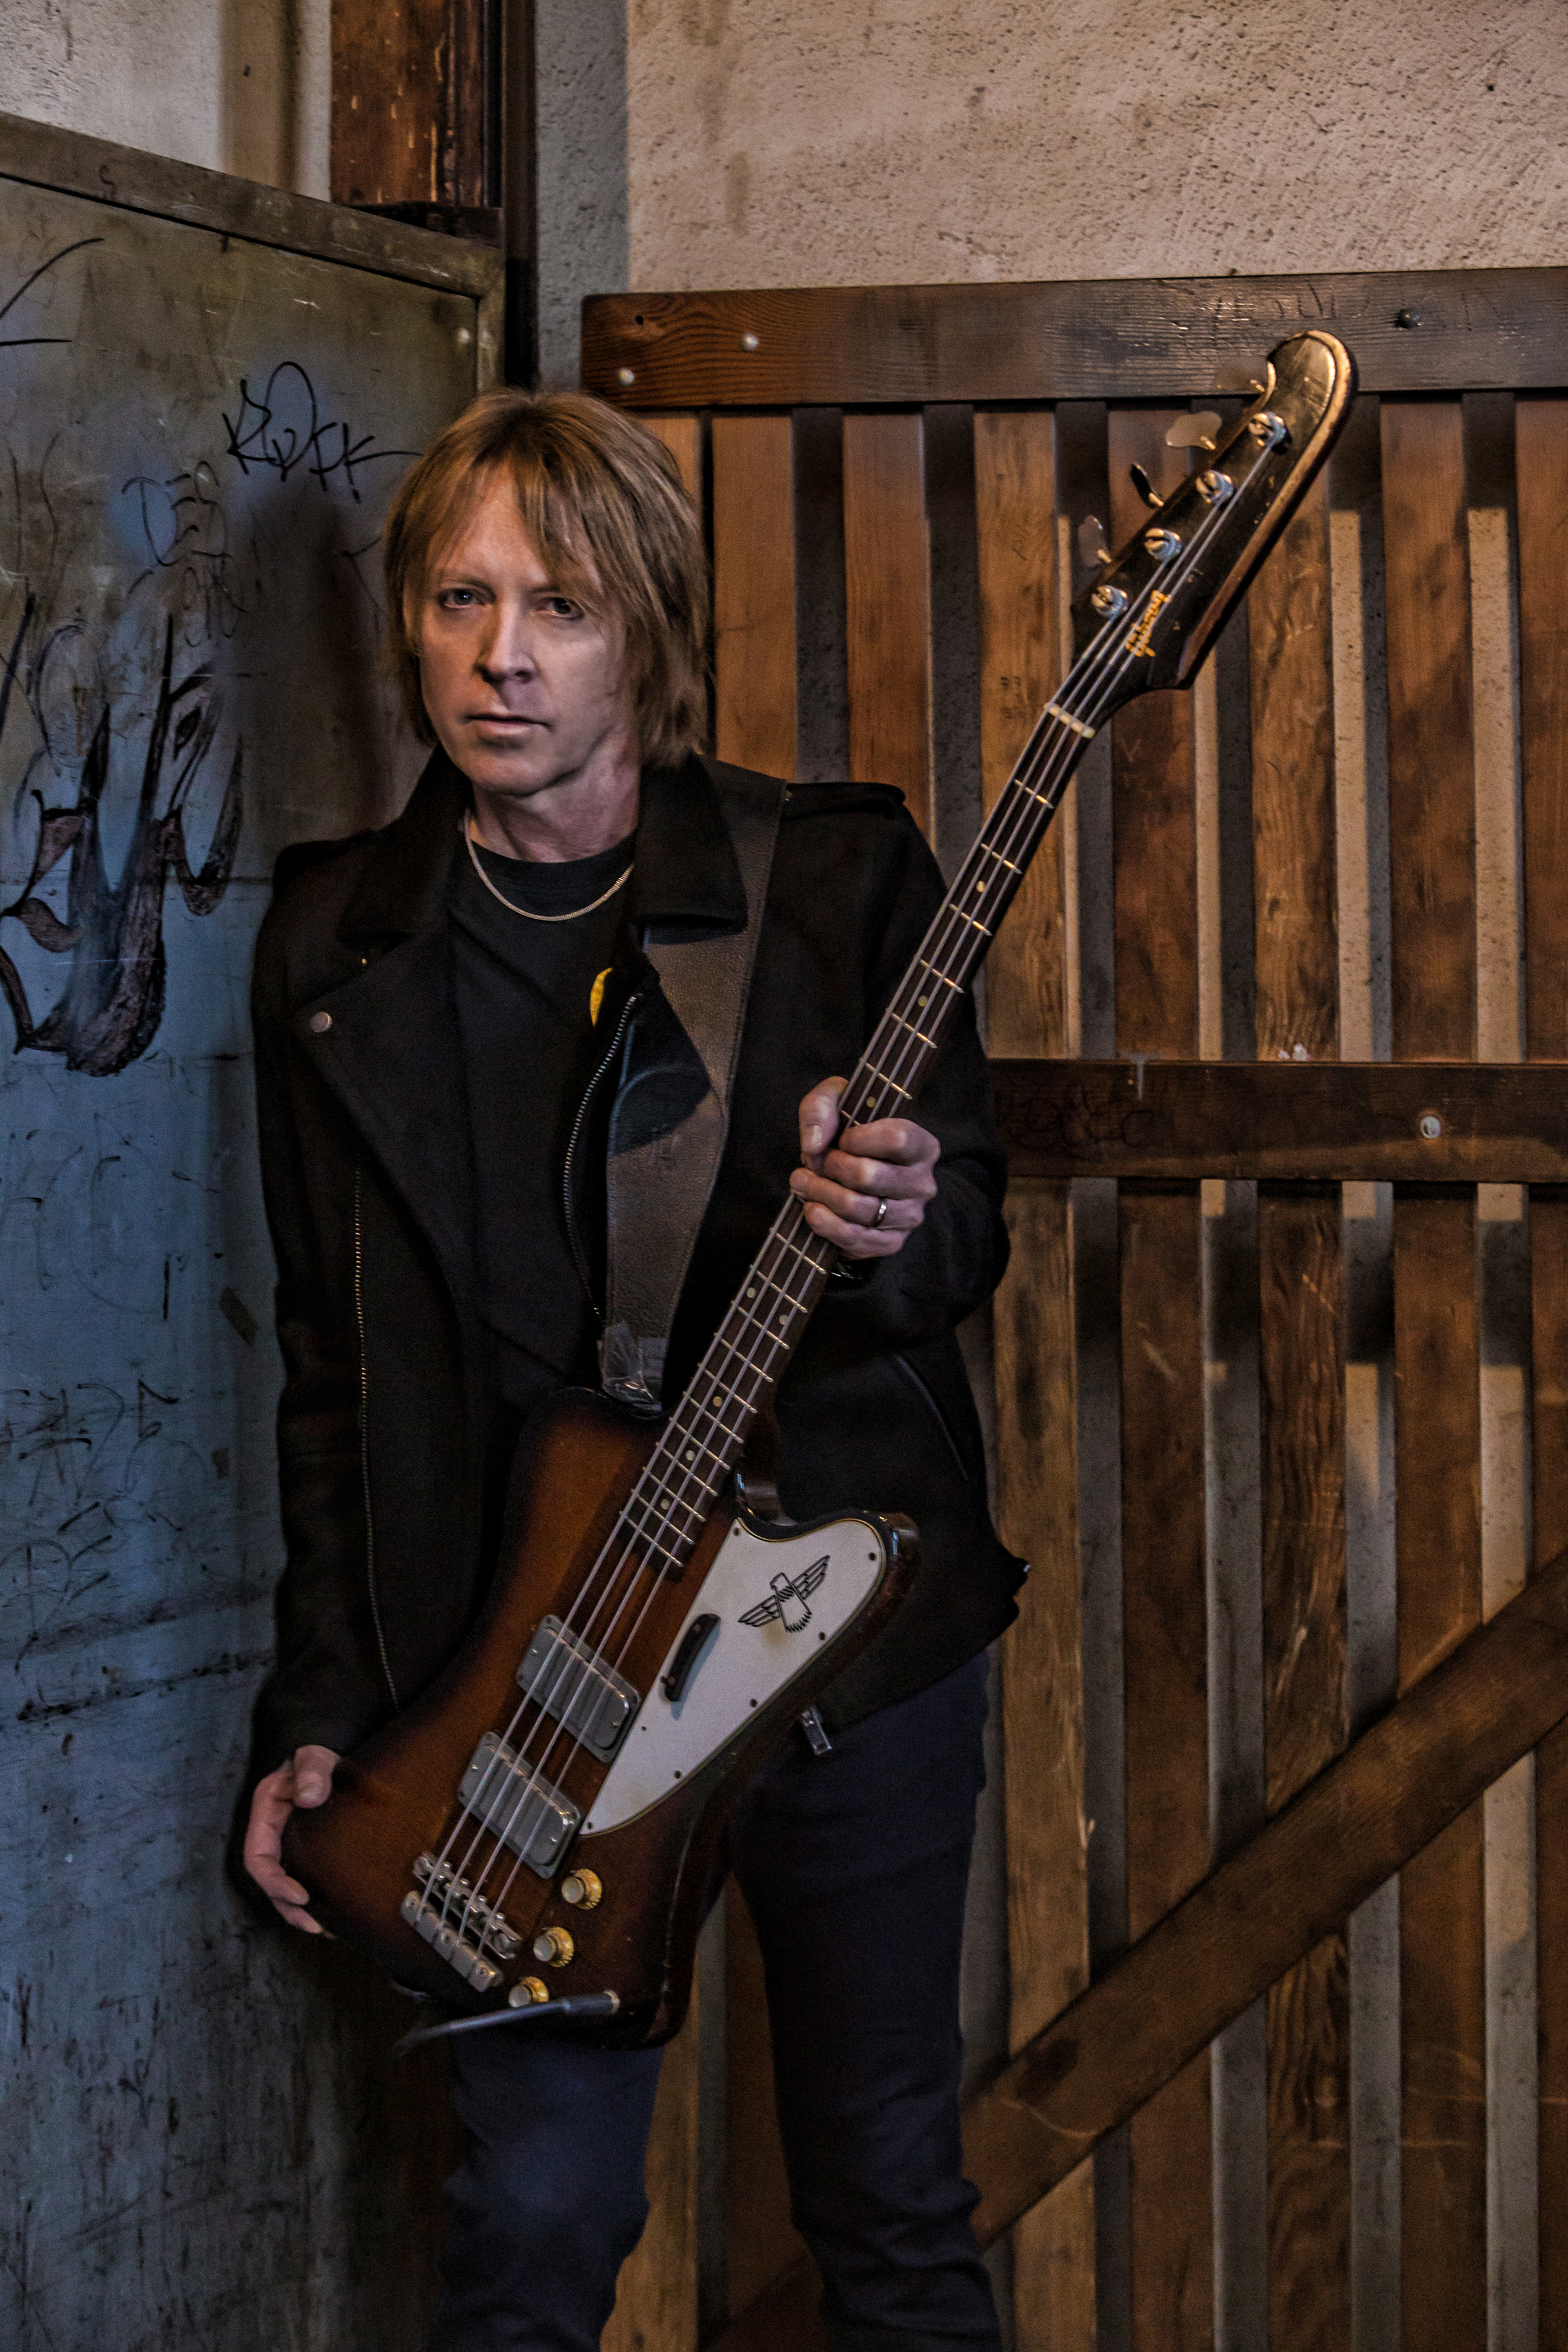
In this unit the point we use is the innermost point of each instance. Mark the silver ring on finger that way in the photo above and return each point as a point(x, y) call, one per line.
point(880, 1216)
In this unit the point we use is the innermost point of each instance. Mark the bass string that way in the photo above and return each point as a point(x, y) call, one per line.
point(655, 1498)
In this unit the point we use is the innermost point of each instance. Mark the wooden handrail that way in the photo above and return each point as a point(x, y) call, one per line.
point(1440, 1748)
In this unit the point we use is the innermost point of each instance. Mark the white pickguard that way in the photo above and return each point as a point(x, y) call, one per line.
point(742, 1665)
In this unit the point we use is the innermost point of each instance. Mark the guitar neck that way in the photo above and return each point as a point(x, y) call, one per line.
point(747, 1354)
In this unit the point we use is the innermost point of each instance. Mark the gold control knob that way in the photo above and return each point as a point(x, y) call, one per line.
point(582, 1887)
point(555, 1947)
point(526, 1991)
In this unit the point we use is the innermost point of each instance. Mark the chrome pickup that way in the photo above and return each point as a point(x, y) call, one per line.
point(509, 1798)
point(570, 1681)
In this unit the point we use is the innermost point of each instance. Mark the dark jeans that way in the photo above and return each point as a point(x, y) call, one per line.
point(854, 1866)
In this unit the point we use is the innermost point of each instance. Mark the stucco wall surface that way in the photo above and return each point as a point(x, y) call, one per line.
point(841, 141)
point(239, 86)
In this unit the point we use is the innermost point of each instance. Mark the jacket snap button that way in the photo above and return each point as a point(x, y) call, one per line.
point(320, 1023)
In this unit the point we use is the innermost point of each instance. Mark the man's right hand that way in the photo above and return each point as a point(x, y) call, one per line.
point(305, 1779)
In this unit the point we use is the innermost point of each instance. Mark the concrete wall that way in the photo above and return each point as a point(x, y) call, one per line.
point(239, 86)
point(833, 142)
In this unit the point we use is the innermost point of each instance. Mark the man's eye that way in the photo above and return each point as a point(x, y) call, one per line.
point(456, 598)
point(563, 606)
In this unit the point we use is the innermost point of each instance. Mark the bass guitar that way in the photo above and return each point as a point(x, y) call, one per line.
point(536, 1833)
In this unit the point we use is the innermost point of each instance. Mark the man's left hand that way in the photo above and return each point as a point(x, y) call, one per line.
point(865, 1189)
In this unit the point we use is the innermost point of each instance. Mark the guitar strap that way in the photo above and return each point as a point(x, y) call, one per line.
point(671, 1112)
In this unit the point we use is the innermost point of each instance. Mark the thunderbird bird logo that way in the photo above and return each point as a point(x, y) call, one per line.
point(788, 1598)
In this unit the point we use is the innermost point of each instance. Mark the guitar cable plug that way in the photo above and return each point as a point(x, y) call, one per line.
point(576, 2005)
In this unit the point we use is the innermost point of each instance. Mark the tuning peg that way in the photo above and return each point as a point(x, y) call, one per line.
point(1091, 547)
point(1145, 487)
point(1196, 432)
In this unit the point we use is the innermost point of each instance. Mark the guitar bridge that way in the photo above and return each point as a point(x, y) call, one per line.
point(570, 1681)
point(507, 1797)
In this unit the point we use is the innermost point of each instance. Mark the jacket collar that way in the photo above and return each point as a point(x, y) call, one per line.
point(684, 871)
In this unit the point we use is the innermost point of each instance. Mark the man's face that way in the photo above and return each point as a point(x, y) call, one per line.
point(525, 690)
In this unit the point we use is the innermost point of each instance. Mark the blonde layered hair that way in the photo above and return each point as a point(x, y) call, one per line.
point(609, 518)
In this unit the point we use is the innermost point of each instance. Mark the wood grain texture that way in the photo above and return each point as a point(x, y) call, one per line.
point(888, 605)
point(412, 98)
point(656, 2301)
point(1098, 338)
point(1345, 1122)
point(1164, 1627)
point(1432, 896)
point(1541, 429)
point(754, 594)
point(1442, 1913)
point(1152, 788)
point(1400, 1785)
point(1549, 1380)
point(1164, 1653)
point(1301, 1413)
point(1431, 757)
point(682, 437)
point(1042, 1719)
point(1301, 1382)
point(387, 101)
point(1020, 668)
point(1294, 897)
point(1541, 446)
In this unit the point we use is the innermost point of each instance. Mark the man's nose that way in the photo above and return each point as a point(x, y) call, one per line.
point(506, 649)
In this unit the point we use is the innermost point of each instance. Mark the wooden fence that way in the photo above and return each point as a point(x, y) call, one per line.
point(1249, 1251)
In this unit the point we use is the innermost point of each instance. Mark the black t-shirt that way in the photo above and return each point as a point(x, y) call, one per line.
point(526, 997)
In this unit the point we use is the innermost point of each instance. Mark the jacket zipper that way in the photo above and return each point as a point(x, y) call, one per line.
point(365, 1442)
point(584, 1275)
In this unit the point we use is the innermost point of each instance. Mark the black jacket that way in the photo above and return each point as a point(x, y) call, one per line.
point(391, 1460)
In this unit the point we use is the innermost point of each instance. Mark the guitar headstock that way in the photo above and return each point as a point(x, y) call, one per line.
point(1154, 608)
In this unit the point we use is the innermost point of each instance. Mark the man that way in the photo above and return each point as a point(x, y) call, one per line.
point(437, 1099)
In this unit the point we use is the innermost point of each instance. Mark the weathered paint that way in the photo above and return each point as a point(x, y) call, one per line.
point(201, 2143)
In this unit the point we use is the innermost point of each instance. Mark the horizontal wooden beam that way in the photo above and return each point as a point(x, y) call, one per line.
point(1405, 1122)
point(1348, 1833)
point(1094, 339)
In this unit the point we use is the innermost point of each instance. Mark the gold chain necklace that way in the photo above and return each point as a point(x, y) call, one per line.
point(510, 904)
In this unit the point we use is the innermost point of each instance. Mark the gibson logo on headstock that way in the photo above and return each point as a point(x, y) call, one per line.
point(1138, 638)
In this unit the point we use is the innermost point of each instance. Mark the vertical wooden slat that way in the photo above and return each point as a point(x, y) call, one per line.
point(754, 594)
point(1165, 1666)
point(1431, 796)
point(1301, 1410)
point(1541, 445)
point(656, 2304)
point(1295, 920)
point(888, 600)
point(1163, 1513)
point(1015, 498)
point(682, 437)
point(1042, 1672)
point(1301, 1380)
